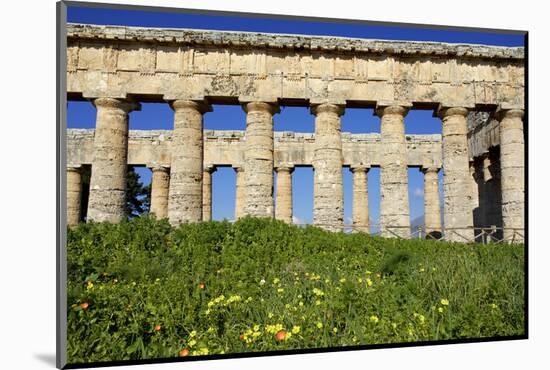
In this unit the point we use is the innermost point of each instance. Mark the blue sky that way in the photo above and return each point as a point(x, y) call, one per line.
point(160, 116)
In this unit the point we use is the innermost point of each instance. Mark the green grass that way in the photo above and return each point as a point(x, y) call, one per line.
point(218, 287)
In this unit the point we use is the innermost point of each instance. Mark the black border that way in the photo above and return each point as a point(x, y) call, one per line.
point(61, 103)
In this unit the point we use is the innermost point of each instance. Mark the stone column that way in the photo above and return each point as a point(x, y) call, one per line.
point(283, 204)
point(394, 181)
point(328, 200)
point(512, 173)
point(360, 198)
point(74, 194)
point(240, 188)
point(207, 192)
point(258, 171)
point(160, 184)
point(457, 197)
point(432, 204)
point(107, 199)
point(185, 198)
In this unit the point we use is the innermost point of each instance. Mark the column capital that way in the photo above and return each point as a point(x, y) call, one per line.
point(359, 168)
point(260, 106)
point(201, 106)
point(126, 105)
point(429, 169)
point(210, 168)
point(327, 107)
point(384, 107)
point(74, 167)
point(238, 168)
point(504, 111)
point(285, 167)
point(443, 111)
point(158, 167)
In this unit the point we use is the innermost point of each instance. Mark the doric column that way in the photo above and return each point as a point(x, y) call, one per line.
point(207, 192)
point(283, 204)
point(240, 188)
point(258, 166)
point(328, 201)
point(457, 197)
point(432, 204)
point(74, 194)
point(360, 198)
point(512, 173)
point(394, 183)
point(185, 198)
point(107, 199)
point(160, 184)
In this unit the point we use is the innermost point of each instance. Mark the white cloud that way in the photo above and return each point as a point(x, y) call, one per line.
point(417, 192)
point(297, 220)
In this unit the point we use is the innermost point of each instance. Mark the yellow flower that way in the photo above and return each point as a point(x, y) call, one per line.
point(360, 280)
point(493, 306)
point(374, 319)
point(319, 325)
point(421, 318)
point(280, 290)
point(90, 285)
point(318, 292)
point(369, 282)
point(192, 342)
point(275, 281)
point(193, 333)
point(335, 330)
point(270, 315)
point(354, 339)
point(287, 306)
point(440, 309)
point(317, 302)
point(343, 280)
point(393, 325)
point(301, 304)
point(207, 312)
point(295, 329)
point(256, 327)
point(444, 302)
point(422, 269)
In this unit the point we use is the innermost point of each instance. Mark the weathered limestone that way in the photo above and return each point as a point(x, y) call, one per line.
point(160, 185)
point(328, 199)
point(512, 170)
point(394, 192)
point(207, 192)
point(240, 189)
point(74, 194)
point(360, 198)
point(109, 165)
point(283, 204)
point(457, 197)
point(432, 204)
point(258, 172)
point(185, 198)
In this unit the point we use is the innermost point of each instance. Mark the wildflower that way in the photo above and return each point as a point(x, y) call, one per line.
point(359, 280)
point(317, 302)
point(318, 292)
point(287, 306)
point(368, 272)
point(275, 281)
point(207, 312)
point(354, 339)
point(295, 329)
point(281, 335)
point(270, 315)
point(422, 269)
point(393, 325)
point(210, 329)
point(319, 325)
point(299, 296)
point(444, 302)
point(493, 306)
point(440, 309)
point(369, 282)
point(343, 280)
point(193, 334)
point(157, 328)
point(192, 342)
point(201, 351)
point(374, 319)
point(184, 352)
point(327, 281)
point(301, 304)
point(262, 282)
point(421, 318)
point(256, 327)
point(335, 330)
point(90, 285)
point(157, 280)
point(280, 290)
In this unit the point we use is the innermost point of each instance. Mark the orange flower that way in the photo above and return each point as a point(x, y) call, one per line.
point(157, 327)
point(280, 335)
point(184, 352)
point(84, 305)
point(201, 285)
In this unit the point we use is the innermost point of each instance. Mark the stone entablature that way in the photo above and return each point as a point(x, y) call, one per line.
point(168, 64)
point(483, 134)
point(226, 148)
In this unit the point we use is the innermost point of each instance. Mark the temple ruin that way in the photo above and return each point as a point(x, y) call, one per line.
point(477, 91)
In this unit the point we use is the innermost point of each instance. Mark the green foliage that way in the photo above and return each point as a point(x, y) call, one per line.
point(138, 196)
point(217, 287)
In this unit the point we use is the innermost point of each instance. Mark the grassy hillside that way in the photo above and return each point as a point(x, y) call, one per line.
point(143, 289)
